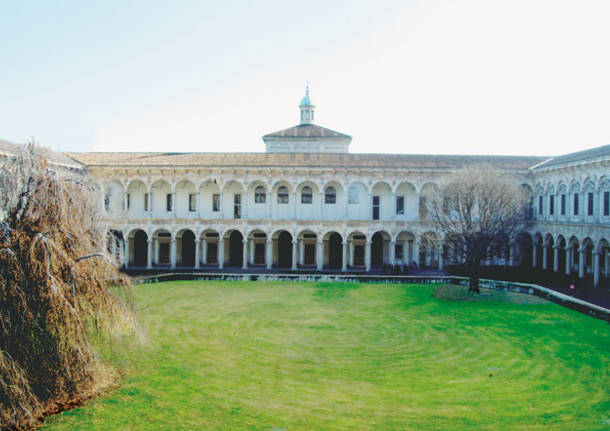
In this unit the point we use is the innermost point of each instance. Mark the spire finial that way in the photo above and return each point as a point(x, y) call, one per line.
point(306, 88)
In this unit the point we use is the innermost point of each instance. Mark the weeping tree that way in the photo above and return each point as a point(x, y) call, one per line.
point(478, 212)
point(54, 289)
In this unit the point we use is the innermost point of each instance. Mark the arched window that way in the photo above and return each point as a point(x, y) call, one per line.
point(282, 195)
point(306, 195)
point(259, 195)
point(352, 195)
point(330, 197)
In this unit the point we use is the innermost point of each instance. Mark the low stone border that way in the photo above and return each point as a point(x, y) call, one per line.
point(530, 289)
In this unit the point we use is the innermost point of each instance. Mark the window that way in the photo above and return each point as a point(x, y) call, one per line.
point(398, 251)
point(552, 204)
point(330, 197)
point(128, 201)
point(375, 207)
point(192, 202)
point(540, 202)
point(590, 203)
point(576, 204)
point(282, 195)
point(259, 195)
point(146, 201)
point(400, 205)
point(216, 202)
point(236, 206)
point(107, 202)
point(168, 202)
point(306, 195)
point(606, 204)
point(563, 204)
point(352, 195)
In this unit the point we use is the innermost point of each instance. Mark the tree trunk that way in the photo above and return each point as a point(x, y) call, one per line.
point(473, 281)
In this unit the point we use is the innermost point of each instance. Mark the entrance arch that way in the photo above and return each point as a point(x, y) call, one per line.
point(236, 248)
point(377, 249)
point(335, 251)
point(284, 250)
point(140, 248)
point(188, 248)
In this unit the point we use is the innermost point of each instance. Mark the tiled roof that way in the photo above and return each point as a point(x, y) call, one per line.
point(592, 153)
point(305, 131)
point(292, 160)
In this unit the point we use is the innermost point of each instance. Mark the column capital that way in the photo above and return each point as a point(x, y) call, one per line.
point(269, 240)
point(295, 241)
point(245, 240)
point(197, 239)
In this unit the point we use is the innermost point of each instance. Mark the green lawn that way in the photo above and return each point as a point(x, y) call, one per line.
point(334, 356)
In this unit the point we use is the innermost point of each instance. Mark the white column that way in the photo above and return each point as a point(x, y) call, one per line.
point(222, 206)
point(269, 205)
point(126, 252)
point(406, 253)
point(244, 258)
point(198, 203)
point(204, 251)
point(511, 255)
point(367, 255)
point(149, 253)
point(221, 252)
point(568, 260)
point(175, 203)
point(150, 207)
point(321, 204)
point(416, 252)
point(269, 253)
point(545, 256)
point(294, 205)
point(172, 253)
point(441, 258)
point(156, 250)
point(344, 257)
point(581, 262)
point(294, 254)
point(351, 253)
point(556, 258)
point(607, 269)
point(125, 199)
point(301, 252)
point(244, 205)
point(319, 254)
point(596, 268)
point(393, 206)
point(197, 252)
point(392, 252)
point(251, 257)
point(534, 255)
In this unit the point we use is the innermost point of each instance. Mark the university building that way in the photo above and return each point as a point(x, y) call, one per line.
point(308, 204)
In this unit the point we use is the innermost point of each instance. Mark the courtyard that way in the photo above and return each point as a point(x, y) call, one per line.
point(339, 356)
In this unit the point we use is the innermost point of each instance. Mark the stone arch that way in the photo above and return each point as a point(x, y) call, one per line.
point(406, 239)
point(233, 199)
point(428, 193)
point(358, 201)
point(282, 248)
point(210, 246)
point(161, 246)
point(356, 249)
point(307, 240)
point(184, 189)
point(138, 248)
point(380, 241)
point(138, 197)
point(408, 192)
point(257, 241)
point(160, 189)
point(428, 249)
point(381, 201)
point(333, 249)
point(233, 248)
point(524, 243)
point(185, 247)
point(113, 197)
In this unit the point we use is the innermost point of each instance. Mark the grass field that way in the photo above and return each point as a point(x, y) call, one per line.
point(332, 356)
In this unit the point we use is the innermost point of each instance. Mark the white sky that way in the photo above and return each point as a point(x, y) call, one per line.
point(458, 77)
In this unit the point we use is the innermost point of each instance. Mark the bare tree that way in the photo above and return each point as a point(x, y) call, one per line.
point(478, 211)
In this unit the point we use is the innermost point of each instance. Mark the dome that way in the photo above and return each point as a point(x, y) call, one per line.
point(305, 101)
